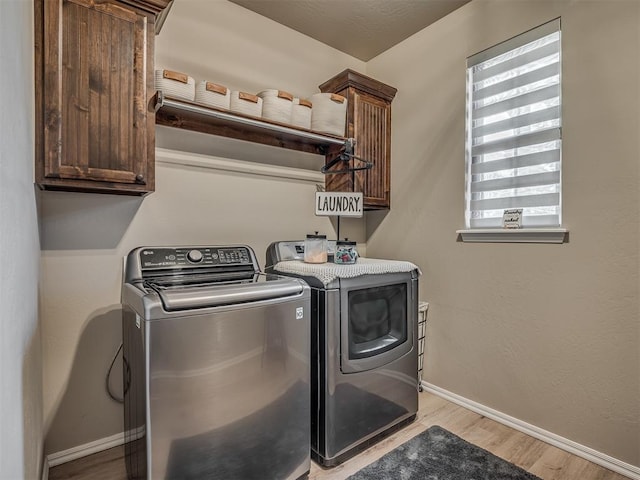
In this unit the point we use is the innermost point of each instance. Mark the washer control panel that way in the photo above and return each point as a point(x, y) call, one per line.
point(187, 257)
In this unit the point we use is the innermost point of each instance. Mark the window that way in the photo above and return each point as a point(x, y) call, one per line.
point(514, 126)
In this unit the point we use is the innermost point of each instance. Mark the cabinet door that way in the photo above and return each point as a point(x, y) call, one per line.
point(97, 133)
point(371, 128)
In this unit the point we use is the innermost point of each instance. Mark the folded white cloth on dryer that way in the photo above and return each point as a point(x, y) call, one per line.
point(328, 272)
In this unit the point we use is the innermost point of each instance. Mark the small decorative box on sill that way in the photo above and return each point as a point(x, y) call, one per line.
point(213, 95)
point(246, 103)
point(301, 113)
point(276, 105)
point(329, 113)
point(175, 84)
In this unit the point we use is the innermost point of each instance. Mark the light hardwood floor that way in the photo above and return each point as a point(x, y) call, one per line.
point(539, 458)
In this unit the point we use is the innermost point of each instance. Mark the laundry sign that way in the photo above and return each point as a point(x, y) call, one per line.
point(344, 204)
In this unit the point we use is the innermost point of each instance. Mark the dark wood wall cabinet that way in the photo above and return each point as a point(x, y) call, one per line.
point(369, 124)
point(94, 91)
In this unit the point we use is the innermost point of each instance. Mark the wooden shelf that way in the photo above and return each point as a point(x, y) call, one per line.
point(191, 116)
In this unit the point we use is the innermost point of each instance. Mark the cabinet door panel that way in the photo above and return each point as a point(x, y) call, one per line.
point(372, 123)
point(99, 91)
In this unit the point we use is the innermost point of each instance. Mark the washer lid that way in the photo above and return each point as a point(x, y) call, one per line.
point(190, 296)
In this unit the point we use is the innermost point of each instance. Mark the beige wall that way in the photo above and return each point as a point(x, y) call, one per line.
point(20, 346)
point(545, 333)
point(548, 334)
point(85, 236)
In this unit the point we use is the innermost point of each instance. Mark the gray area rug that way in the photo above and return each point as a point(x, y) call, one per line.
point(437, 454)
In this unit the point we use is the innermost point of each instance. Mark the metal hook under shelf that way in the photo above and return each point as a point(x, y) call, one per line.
point(346, 156)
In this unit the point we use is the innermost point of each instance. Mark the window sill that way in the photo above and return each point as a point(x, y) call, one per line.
point(520, 235)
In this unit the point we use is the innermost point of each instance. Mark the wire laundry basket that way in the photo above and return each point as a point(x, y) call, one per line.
point(423, 308)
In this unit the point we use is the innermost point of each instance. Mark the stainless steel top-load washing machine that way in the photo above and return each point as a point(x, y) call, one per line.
point(216, 366)
point(364, 348)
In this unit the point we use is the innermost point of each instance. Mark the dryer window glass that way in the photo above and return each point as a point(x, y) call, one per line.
point(377, 320)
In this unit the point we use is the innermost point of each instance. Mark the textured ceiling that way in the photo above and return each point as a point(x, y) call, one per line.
point(361, 28)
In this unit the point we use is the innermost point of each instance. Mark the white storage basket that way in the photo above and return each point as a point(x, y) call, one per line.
point(329, 113)
point(175, 85)
point(213, 95)
point(246, 103)
point(301, 113)
point(276, 105)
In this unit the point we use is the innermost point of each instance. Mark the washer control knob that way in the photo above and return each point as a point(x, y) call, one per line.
point(194, 256)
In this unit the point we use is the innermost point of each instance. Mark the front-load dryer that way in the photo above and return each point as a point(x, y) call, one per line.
point(364, 348)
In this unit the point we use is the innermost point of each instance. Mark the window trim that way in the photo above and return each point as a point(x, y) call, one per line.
point(514, 235)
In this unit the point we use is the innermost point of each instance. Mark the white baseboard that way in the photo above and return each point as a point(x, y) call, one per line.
point(80, 451)
point(570, 446)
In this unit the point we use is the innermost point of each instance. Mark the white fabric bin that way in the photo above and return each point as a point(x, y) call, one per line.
point(329, 113)
point(175, 84)
point(276, 105)
point(301, 113)
point(213, 95)
point(246, 103)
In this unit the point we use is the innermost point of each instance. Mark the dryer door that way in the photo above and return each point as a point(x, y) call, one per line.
point(378, 315)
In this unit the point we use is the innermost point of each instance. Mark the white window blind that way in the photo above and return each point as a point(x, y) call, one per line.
point(514, 132)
